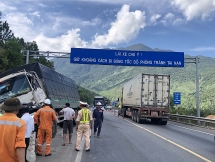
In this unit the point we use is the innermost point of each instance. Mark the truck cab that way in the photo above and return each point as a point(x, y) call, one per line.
point(101, 100)
point(24, 85)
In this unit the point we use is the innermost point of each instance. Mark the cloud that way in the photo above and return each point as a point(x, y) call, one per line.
point(153, 19)
point(93, 22)
point(179, 21)
point(168, 19)
point(62, 43)
point(5, 7)
point(126, 27)
point(21, 25)
point(203, 49)
point(37, 14)
point(195, 8)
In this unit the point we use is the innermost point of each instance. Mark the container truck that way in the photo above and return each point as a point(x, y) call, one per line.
point(146, 96)
point(101, 100)
point(33, 83)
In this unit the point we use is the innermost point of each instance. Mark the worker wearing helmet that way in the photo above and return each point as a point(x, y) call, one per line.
point(44, 118)
point(12, 132)
point(98, 119)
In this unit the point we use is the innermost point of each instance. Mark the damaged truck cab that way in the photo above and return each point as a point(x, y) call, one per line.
point(33, 83)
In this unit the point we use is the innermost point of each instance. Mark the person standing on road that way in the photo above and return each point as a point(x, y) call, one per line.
point(83, 126)
point(45, 117)
point(69, 114)
point(12, 132)
point(24, 111)
point(98, 119)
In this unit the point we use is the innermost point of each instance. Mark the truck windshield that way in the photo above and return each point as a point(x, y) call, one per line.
point(99, 100)
point(15, 86)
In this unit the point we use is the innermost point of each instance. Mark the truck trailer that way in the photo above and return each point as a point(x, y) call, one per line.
point(33, 83)
point(146, 96)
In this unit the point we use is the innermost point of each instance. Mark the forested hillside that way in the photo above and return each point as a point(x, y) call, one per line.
point(108, 80)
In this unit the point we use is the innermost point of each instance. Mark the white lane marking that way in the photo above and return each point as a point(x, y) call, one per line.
point(192, 129)
point(79, 154)
point(165, 139)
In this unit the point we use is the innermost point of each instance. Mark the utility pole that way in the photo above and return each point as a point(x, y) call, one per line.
point(1, 27)
point(197, 87)
point(196, 61)
point(27, 57)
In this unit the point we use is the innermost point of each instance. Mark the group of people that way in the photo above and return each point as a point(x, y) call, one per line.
point(15, 132)
point(84, 123)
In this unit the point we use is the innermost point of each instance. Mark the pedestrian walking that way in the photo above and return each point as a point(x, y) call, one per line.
point(98, 119)
point(12, 132)
point(69, 115)
point(24, 111)
point(44, 118)
point(83, 126)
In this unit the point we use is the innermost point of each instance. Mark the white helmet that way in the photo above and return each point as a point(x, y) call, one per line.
point(99, 104)
point(47, 101)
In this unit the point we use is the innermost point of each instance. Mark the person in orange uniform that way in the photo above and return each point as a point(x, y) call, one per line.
point(44, 118)
point(12, 132)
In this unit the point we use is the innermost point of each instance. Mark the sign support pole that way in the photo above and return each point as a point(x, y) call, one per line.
point(197, 88)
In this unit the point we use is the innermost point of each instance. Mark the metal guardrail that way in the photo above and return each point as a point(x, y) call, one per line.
point(192, 120)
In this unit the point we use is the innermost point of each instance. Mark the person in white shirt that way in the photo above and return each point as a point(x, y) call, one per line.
point(69, 114)
point(24, 111)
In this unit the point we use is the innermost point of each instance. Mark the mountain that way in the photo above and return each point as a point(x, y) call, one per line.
point(107, 80)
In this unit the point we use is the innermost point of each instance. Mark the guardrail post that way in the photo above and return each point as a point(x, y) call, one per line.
point(204, 123)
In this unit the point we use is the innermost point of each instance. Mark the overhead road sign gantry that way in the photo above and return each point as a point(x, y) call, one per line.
point(126, 57)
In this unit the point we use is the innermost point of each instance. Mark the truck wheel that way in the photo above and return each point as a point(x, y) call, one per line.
point(132, 117)
point(124, 112)
point(163, 122)
point(154, 121)
point(135, 116)
point(138, 117)
point(54, 130)
point(74, 122)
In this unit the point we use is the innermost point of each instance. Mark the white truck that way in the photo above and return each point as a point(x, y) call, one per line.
point(33, 83)
point(146, 96)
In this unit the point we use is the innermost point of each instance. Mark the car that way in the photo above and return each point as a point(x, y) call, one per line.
point(108, 107)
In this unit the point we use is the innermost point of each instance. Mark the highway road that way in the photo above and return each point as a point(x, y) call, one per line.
point(122, 140)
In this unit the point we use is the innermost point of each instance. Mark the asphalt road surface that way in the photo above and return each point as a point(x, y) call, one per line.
point(122, 140)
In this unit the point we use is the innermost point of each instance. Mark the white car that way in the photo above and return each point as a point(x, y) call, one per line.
point(108, 107)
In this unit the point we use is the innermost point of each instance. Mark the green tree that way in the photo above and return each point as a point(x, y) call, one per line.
point(13, 53)
point(44, 61)
point(3, 60)
point(6, 33)
point(32, 46)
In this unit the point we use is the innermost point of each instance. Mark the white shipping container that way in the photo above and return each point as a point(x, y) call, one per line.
point(147, 90)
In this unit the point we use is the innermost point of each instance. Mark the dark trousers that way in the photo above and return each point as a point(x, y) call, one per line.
point(97, 124)
point(27, 141)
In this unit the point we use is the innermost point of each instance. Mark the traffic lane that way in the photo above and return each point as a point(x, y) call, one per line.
point(200, 143)
point(201, 129)
point(60, 153)
point(122, 141)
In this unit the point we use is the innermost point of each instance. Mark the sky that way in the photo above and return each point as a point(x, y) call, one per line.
point(58, 25)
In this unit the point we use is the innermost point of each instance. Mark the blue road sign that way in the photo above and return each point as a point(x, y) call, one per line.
point(126, 58)
point(177, 98)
